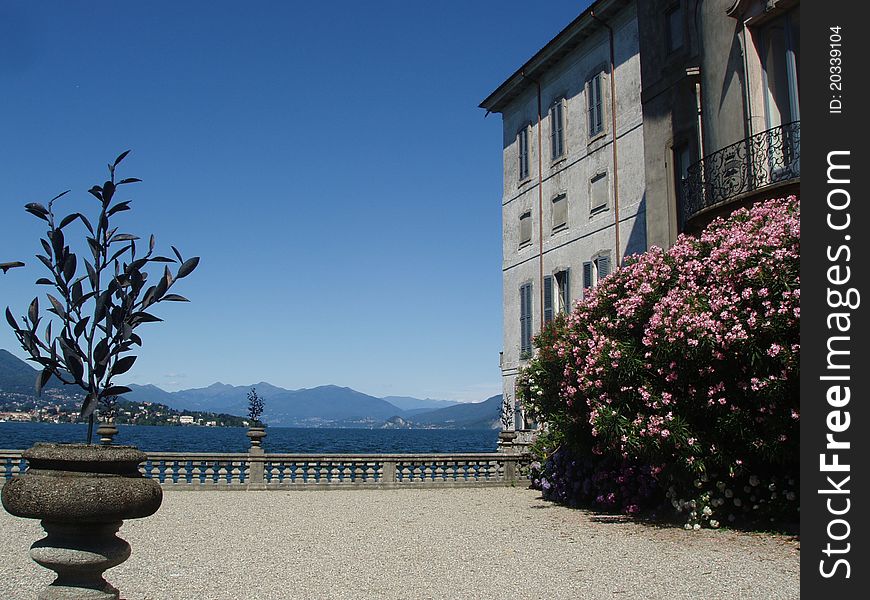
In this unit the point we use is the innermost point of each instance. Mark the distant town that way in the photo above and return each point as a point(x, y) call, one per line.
point(62, 408)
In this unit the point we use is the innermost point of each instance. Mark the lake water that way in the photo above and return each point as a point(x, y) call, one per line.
point(17, 436)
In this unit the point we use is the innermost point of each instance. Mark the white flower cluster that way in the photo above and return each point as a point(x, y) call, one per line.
point(718, 499)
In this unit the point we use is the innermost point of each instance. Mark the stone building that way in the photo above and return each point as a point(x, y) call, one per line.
point(703, 98)
point(720, 107)
point(573, 198)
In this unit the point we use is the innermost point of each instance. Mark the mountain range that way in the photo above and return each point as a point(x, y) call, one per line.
point(322, 406)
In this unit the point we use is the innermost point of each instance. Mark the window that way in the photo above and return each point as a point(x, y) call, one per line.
point(560, 213)
point(599, 195)
point(526, 320)
point(556, 298)
point(674, 22)
point(595, 270)
point(523, 146)
point(596, 105)
point(525, 229)
point(557, 129)
point(563, 295)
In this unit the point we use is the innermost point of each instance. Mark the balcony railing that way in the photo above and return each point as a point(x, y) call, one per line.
point(736, 171)
point(243, 471)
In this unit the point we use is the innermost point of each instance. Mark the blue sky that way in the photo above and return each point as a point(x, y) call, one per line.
point(327, 161)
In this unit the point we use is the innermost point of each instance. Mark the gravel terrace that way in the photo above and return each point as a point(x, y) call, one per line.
point(440, 543)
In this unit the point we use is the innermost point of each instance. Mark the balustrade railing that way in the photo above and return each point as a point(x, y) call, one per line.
point(764, 159)
point(185, 470)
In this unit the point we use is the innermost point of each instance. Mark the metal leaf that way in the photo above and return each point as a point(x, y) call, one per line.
point(123, 365)
point(33, 310)
point(120, 158)
point(89, 406)
point(58, 307)
point(187, 267)
point(68, 219)
point(41, 379)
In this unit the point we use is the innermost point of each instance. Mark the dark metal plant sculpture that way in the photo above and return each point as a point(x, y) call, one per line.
point(89, 339)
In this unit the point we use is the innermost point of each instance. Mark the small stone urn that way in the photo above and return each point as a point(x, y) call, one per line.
point(82, 494)
point(256, 433)
point(506, 441)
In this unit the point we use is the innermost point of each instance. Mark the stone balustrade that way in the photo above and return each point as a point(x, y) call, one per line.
point(196, 471)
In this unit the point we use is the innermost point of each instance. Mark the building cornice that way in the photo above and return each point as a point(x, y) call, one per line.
point(565, 41)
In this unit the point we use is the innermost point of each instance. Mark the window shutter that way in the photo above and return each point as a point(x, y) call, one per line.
point(554, 133)
point(565, 290)
point(598, 111)
point(603, 267)
point(526, 318)
point(590, 100)
point(548, 299)
point(587, 276)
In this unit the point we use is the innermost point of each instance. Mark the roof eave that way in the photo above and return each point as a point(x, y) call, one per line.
point(566, 40)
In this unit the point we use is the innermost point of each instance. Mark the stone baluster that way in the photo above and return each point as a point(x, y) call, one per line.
point(389, 473)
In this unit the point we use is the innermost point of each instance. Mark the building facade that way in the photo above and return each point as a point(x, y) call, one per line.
point(721, 108)
point(641, 120)
point(573, 199)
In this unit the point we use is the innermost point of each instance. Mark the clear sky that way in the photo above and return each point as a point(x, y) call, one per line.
point(327, 161)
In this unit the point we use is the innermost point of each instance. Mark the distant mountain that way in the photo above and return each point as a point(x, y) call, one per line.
point(470, 415)
point(18, 377)
point(323, 406)
point(406, 403)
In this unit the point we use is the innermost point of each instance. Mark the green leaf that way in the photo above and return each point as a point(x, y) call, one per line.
point(175, 298)
point(129, 180)
point(187, 267)
point(177, 253)
point(44, 281)
point(123, 365)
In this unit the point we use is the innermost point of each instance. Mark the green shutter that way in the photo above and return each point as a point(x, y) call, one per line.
point(587, 276)
point(548, 299)
point(603, 266)
point(565, 290)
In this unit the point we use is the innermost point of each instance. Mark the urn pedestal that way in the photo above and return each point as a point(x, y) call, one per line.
point(82, 494)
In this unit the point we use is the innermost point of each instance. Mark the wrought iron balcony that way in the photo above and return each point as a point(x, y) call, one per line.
point(737, 171)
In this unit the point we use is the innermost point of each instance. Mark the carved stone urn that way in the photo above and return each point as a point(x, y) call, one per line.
point(82, 494)
point(256, 433)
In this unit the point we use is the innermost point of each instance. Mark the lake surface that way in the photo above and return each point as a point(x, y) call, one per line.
point(17, 436)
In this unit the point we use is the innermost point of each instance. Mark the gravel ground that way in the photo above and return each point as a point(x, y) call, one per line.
point(442, 543)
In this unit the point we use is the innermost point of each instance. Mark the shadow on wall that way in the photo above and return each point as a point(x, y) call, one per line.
point(636, 243)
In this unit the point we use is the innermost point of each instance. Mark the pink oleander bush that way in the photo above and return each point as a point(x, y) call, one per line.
point(684, 363)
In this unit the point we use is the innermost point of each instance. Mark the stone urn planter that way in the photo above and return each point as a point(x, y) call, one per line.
point(256, 433)
point(82, 494)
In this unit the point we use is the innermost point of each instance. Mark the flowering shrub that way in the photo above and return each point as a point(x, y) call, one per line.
point(686, 360)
